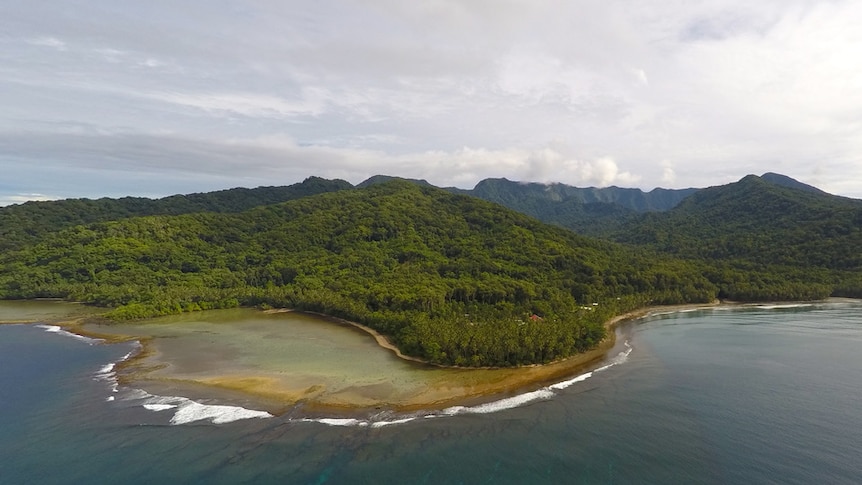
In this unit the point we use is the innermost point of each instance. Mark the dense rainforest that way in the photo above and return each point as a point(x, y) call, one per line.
point(25, 223)
point(590, 211)
point(449, 278)
point(762, 238)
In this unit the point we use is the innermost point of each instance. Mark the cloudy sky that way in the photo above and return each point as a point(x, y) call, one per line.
point(113, 97)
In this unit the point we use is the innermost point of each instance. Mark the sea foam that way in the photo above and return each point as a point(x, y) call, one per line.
point(371, 423)
point(336, 421)
point(779, 306)
point(159, 407)
point(562, 385)
point(59, 330)
point(380, 424)
point(502, 404)
point(189, 411)
point(107, 372)
point(486, 408)
point(491, 407)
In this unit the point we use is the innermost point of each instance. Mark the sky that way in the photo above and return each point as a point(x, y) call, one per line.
point(115, 97)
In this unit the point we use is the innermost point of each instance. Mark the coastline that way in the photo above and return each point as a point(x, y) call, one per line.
point(606, 343)
point(460, 387)
point(463, 386)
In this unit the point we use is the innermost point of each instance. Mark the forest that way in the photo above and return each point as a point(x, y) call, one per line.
point(449, 278)
point(759, 240)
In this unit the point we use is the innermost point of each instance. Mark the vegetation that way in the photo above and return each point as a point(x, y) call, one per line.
point(449, 278)
point(590, 211)
point(759, 240)
point(27, 223)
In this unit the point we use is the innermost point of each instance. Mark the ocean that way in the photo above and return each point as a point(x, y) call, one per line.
point(749, 395)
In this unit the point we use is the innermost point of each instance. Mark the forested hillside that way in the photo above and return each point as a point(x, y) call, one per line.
point(449, 278)
point(25, 223)
point(507, 192)
point(590, 211)
point(761, 236)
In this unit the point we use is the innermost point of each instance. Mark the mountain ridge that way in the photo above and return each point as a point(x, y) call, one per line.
point(21, 223)
point(803, 236)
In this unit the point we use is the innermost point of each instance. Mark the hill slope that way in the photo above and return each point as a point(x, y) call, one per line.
point(507, 193)
point(25, 223)
point(795, 232)
point(449, 278)
point(589, 211)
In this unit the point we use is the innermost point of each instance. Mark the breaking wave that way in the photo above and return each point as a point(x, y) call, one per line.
point(780, 306)
point(108, 374)
point(59, 330)
point(189, 411)
point(519, 400)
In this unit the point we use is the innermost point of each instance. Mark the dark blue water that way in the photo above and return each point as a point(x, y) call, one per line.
point(718, 396)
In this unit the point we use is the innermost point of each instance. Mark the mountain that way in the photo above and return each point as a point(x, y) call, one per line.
point(764, 225)
point(449, 278)
point(510, 193)
point(553, 207)
point(382, 179)
point(589, 211)
point(786, 181)
point(24, 223)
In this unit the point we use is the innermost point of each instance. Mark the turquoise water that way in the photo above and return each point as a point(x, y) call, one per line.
point(755, 395)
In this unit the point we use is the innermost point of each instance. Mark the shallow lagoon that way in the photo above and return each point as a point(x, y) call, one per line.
point(42, 310)
point(287, 359)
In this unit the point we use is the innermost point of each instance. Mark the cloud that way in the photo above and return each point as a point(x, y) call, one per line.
point(52, 42)
point(310, 103)
point(281, 160)
point(641, 76)
point(585, 92)
point(21, 198)
point(668, 176)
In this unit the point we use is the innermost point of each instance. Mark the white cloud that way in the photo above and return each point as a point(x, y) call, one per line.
point(668, 176)
point(588, 92)
point(21, 198)
point(641, 76)
point(312, 103)
point(52, 42)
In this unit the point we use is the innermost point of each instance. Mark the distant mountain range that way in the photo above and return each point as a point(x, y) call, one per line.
point(507, 192)
point(593, 211)
point(602, 212)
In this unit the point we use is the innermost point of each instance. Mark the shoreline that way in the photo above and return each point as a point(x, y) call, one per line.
point(382, 340)
point(503, 383)
point(605, 344)
point(485, 384)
